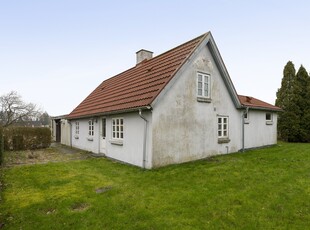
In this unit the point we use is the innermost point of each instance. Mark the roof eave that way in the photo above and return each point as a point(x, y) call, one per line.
point(147, 107)
point(262, 108)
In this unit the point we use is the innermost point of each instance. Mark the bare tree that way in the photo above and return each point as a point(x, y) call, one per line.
point(15, 110)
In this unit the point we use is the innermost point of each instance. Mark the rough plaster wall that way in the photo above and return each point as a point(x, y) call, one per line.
point(81, 141)
point(132, 149)
point(184, 129)
point(257, 132)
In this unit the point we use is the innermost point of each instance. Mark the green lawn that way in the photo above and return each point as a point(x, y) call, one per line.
point(260, 189)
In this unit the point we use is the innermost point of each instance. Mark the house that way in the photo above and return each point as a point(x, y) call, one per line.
point(176, 107)
point(60, 130)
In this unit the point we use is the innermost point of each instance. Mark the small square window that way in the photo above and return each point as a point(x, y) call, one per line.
point(268, 117)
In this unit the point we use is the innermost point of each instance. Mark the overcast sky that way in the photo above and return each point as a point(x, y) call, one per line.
point(55, 52)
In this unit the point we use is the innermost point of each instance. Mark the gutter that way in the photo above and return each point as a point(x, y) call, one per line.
point(144, 138)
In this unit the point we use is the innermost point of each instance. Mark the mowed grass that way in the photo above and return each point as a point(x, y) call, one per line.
point(260, 189)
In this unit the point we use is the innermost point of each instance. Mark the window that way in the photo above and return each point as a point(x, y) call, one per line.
point(91, 128)
point(222, 123)
point(77, 128)
point(104, 128)
point(118, 128)
point(269, 119)
point(203, 85)
point(246, 117)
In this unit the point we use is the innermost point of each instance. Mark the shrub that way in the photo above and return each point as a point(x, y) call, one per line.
point(22, 138)
point(1, 145)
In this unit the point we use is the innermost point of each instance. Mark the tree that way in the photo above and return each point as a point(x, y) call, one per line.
point(14, 109)
point(45, 119)
point(294, 98)
point(288, 124)
point(302, 101)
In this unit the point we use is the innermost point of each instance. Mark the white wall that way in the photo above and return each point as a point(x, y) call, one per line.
point(185, 129)
point(131, 150)
point(258, 132)
point(65, 132)
point(83, 140)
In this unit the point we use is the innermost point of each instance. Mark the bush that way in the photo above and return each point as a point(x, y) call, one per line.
point(1, 145)
point(23, 138)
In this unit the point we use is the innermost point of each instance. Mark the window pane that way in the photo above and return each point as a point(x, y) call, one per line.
point(122, 121)
point(122, 135)
point(219, 133)
point(200, 92)
point(219, 120)
point(199, 77)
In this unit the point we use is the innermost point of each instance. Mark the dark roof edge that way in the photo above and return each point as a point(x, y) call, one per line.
point(262, 108)
point(147, 107)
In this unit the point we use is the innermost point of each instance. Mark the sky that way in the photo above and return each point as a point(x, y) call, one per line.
point(54, 53)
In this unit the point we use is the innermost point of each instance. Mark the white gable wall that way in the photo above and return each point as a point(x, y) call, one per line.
point(185, 129)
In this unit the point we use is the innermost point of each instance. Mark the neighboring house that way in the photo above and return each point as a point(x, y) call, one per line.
point(176, 107)
point(60, 130)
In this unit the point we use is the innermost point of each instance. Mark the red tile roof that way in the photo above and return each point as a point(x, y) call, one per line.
point(256, 103)
point(138, 86)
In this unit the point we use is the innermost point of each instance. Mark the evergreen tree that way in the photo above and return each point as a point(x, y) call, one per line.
point(302, 101)
point(288, 124)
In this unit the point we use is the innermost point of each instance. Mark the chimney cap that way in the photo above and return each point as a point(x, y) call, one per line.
point(144, 51)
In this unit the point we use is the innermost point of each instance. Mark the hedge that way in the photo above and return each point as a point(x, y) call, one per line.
point(1, 145)
point(23, 138)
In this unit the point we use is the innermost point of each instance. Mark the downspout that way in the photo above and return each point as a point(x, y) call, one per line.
point(243, 125)
point(144, 138)
point(69, 122)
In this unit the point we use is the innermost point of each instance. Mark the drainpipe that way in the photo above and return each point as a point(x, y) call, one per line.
point(144, 138)
point(243, 125)
point(69, 122)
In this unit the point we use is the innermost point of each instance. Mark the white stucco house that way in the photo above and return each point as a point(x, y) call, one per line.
point(176, 107)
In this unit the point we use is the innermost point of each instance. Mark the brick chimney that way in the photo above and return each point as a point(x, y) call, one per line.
point(143, 54)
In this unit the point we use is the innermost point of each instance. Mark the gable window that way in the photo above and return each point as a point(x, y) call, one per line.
point(90, 128)
point(269, 120)
point(203, 87)
point(222, 129)
point(118, 128)
point(77, 128)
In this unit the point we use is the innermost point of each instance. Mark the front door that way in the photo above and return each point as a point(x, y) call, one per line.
point(103, 131)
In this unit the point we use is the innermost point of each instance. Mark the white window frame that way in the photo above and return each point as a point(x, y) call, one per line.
point(246, 117)
point(223, 127)
point(203, 91)
point(118, 128)
point(91, 128)
point(77, 128)
point(269, 121)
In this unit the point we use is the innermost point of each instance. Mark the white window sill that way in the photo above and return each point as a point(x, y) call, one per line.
point(116, 142)
point(246, 122)
point(204, 99)
point(90, 138)
point(269, 122)
point(223, 140)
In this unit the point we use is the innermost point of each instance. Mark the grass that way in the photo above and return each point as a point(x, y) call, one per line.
point(260, 189)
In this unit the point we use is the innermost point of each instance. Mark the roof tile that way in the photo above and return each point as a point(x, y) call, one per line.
point(137, 86)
